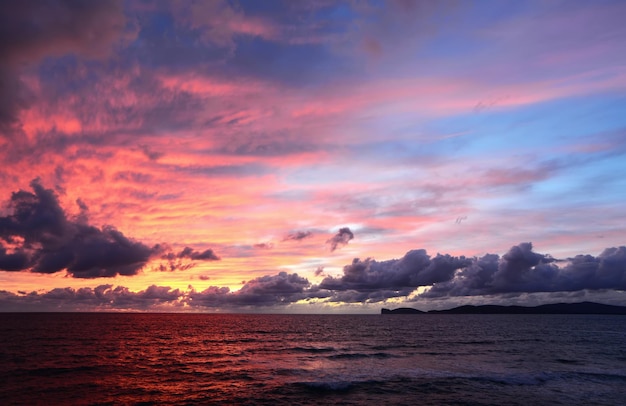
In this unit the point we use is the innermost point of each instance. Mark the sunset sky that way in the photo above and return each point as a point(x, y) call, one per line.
point(319, 156)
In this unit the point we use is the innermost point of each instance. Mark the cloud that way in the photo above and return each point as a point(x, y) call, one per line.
point(35, 29)
point(282, 288)
point(220, 22)
point(134, 177)
point(275, 288)
point(298, 236)
point(15, 261)
point(521, 270)
point(213, 296)
point(206, 255)
point(356, 296)
point(394, 25)
point(343, 236)
point(100, 297)
point(43, 240)
point(181, 261)
point(46, 241)
point(415, 269)
point(149, 153)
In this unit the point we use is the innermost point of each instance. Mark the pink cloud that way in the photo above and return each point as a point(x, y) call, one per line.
point(219, 22)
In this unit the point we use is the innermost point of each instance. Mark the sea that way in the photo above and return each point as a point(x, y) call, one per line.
point(252, 359)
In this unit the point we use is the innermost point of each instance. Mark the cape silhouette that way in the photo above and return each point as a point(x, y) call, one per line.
point(556, 308)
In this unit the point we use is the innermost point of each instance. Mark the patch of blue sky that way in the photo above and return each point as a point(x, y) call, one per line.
point(603, 178)
point(460, 31)
point(341, 12)
point(447, 50)
point(495, 11)
point(591, 184)
point(544, 127)
point(401, 138)
point(393, 151)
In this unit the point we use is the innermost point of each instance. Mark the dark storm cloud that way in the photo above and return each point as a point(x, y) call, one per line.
point(33, 29)
point(520, 270)
point(415, 269)
point(213, 296)
point(52, 242)
point(90, 252)
point(282, 284)
point(15, 261)
point(343, 236)
point(523, 271)
point(298, 236)
point(354, 296)
point(269, 290)
point(122, 297)
point(282, 288)
point(100, 297)
point(44, 240)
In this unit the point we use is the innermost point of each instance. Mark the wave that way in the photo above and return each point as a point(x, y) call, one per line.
point(380, 355)
point(326, 386)
point(54, 371)
point(602, 376)
point(397, 347)
point(568, 361)
point(312, 350)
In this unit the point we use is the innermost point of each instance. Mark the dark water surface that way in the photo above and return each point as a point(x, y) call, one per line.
point(91, 358)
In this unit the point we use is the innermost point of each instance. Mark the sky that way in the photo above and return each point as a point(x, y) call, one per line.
point(311, 157)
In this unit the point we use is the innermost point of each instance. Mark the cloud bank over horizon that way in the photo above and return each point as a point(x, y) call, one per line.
point(519, 271)
point(38, 237)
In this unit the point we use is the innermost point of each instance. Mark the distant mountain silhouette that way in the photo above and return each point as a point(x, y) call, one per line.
point(556, 308)
point(401, 310)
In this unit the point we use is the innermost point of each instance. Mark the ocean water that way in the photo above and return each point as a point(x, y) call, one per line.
point(160, 359)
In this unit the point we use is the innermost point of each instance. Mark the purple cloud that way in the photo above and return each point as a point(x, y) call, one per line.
point(44, 240)
point(282, 288)
point(415, 269)
point(100, 297)
point(343, 236)
point(34, 29)
point(523, 271)
point(520, 270)
point(297, 236)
